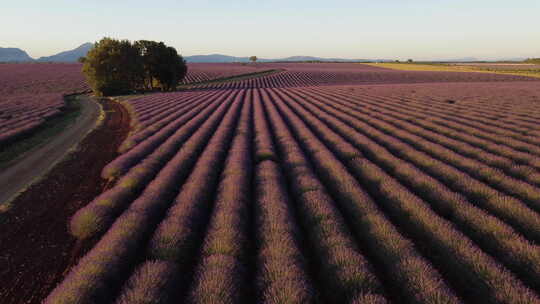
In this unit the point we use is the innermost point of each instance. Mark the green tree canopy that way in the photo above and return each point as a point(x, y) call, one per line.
point(163, 67)
point(253, 58)
point(120, 67)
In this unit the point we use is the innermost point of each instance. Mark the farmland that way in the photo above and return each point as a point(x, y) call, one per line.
point(304, 74)
point(201, 72)
point(518, 69)
point(319, 183)
point(30, 94)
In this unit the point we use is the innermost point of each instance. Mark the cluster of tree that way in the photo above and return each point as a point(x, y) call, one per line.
point(116, 67)
point(408, 61)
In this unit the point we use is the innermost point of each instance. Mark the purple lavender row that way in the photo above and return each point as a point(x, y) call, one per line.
point(460, 259)
point(483, 129)
point(518, 164)
point(157, 108)
point(523, 180)
point(512, 210)
point(8, 136)
point(490, 233)
point(495, 155)
point(222, 272)
point(398, 260)
point(97, 216)
point(522, 116)
point(23, 121)
point(343, 271)
point(173, 108)
point(124, 162)
point(148, 103)
point(523, 151)
point(140, 107)
point(177, 238)
point(138, 135)
point(23, 114)
point(100, 274)
point(171, 239)
point(281, 268)
point(37, 111)
point(198, 72)
point(145, 133)
point(480, 111)
point(295, 77)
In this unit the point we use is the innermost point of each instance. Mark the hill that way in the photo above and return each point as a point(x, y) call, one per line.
point(69, 56)
point(226, 58)
point(215, 58)
point(14, 55)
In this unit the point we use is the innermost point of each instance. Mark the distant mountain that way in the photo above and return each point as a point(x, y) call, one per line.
point(215, 58)
point(69, 56)
point(14, 55)
point(518, 59)
point(311, 58)
point(226, 58)
point(465, 59)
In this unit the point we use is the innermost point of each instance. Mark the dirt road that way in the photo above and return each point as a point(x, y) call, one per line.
point(36, 249)
point(36, 162)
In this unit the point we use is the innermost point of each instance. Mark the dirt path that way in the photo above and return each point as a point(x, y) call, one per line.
point(35, 247)
point(35, 163)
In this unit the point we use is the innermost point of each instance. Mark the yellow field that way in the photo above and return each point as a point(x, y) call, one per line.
point(453, 68)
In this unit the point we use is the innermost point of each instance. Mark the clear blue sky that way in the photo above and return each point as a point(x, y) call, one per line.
point(418, 29)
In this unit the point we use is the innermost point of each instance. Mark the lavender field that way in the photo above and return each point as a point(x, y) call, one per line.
point(323, 183)
point(322, 74)
point(32, 93)
point(201, 72)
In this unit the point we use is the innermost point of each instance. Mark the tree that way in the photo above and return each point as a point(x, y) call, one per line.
point(180, 67)
point(162, 65)
point(120, 67)
point(149, 51)
point(409, 61)
point(113, 67)
point(81, 59)
point(253, 59)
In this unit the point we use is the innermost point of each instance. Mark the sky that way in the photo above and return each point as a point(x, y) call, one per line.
point(393, 29)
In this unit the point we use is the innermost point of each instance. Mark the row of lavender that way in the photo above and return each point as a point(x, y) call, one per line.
point(334, 194)
point(20, 115)
point(201, 72)
point(297, 75)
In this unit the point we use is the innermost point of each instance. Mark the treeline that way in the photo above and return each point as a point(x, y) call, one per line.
point(115, 67)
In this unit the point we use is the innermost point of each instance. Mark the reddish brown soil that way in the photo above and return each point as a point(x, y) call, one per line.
point(36, 249)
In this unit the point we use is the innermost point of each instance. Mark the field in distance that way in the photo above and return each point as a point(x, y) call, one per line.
point(520, 69)
point(319, 183)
